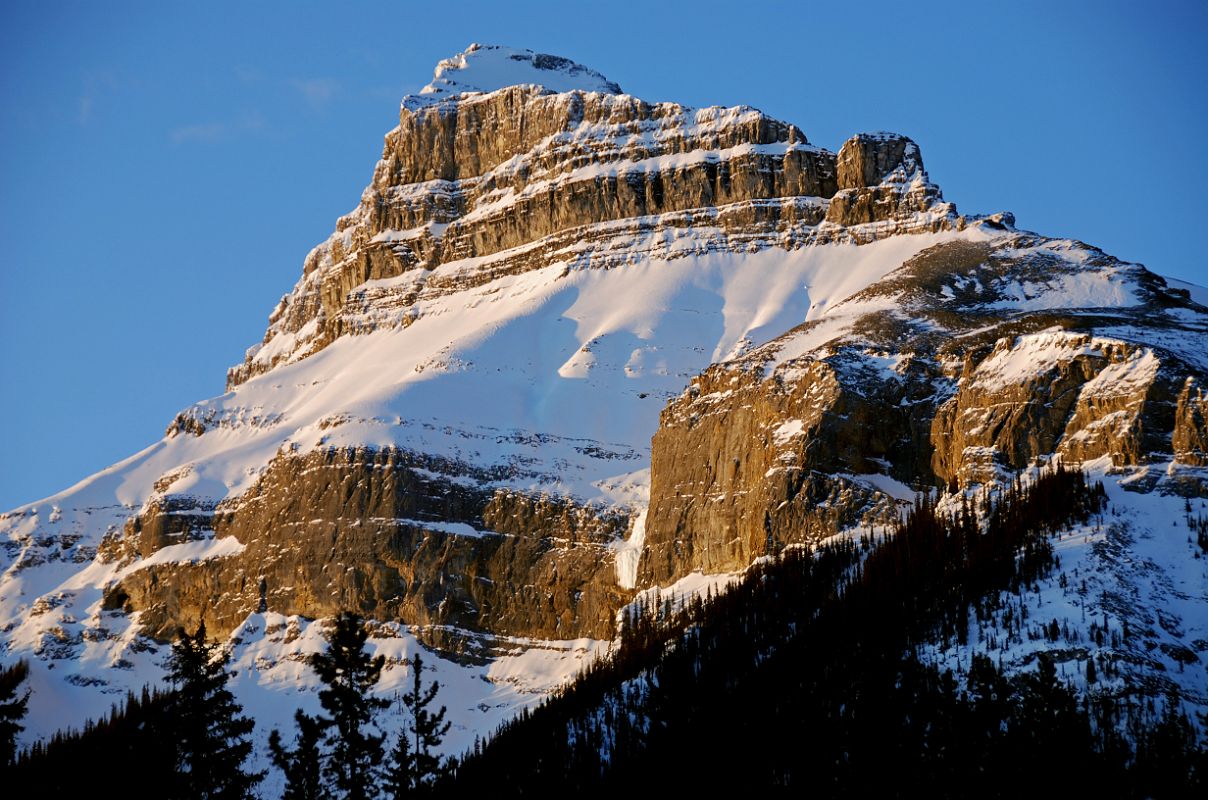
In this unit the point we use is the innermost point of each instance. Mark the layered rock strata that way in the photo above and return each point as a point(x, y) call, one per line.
point(516, 179)
point(988, 352)
point(378, 532)
point(955, 370)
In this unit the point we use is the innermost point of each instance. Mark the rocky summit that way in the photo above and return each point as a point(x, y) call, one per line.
point(573, 347)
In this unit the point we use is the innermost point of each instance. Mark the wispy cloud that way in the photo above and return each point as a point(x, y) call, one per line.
point(209, 132)
point(96, 83)
point(317, 91)
point(201, 132)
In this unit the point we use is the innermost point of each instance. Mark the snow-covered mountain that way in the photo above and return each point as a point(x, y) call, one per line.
point(571, 346)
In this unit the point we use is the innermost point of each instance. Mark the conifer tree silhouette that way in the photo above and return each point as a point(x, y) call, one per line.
point(204, 720)
point(353, 768)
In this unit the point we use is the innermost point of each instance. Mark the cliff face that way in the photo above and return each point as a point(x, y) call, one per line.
point(744, 465)
point(377, 532)
point(1191, 424)
point(880, 177)
point(958, 369)
point(518, 178)
point(357, 528)
point(572, 346)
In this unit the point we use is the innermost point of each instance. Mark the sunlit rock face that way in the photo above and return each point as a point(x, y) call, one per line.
point(476, 183)
point(972, 361)
point(572, 345)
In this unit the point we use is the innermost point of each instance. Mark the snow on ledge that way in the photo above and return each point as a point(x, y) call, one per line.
point(188, 553)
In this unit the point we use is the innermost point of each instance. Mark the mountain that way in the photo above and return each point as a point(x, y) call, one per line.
point(572, 347)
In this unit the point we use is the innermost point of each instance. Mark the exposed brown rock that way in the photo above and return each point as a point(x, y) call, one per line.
point(1101, 398)
point(880, 177)
point(489, 175)
point(162, 522)
point(743, 466)
point(372, 530)
point(1190, 440)
point(867, 158)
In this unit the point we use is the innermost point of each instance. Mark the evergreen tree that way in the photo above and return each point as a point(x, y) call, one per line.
point(202, 717)
point(399, 781)
point(302, 766)
point(1169, 757)
point(355, 755)
point(13, 705)
point(131, 739)
point(1046, 710)
point(426, 729)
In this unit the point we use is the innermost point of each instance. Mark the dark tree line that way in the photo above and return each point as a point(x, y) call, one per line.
point(806, 677)
point(191, 741)
point(76, 763)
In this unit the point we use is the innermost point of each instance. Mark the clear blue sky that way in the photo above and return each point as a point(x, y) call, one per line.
point(165, 167)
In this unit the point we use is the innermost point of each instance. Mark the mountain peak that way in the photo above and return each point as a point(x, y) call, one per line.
point(570, 348)
point(487, 68)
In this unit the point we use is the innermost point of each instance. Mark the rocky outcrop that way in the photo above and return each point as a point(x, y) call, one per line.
point(514, 179)
point(381, 532)
point(1190, 439)
point(966, 381)
point(744, 466)
point(867, 158)
point(880, 178)
point(1053, 393)
point(164, 521)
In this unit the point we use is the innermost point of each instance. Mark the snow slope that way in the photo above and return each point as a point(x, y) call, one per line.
point(549, 380)
point(1135, 573)
point(555, 376)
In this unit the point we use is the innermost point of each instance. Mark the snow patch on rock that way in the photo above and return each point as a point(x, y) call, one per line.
point(629, 553)
point(488, 68)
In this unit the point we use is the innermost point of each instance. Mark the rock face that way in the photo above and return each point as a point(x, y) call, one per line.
point(880, 177)
point(971, 377)
point(1191, 425)
point(369, 530)
point(571, 346)
point(1081, 397)
point(468, 177)
point(743, 466)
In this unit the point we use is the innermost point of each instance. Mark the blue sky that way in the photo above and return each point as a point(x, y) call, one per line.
point(166, 167)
